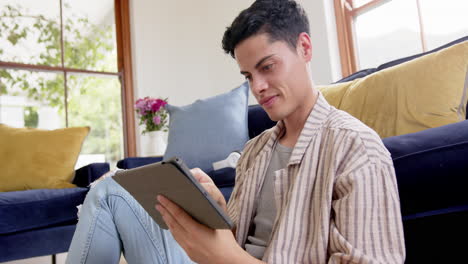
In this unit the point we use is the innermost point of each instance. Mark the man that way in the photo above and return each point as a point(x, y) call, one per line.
point(319, 187)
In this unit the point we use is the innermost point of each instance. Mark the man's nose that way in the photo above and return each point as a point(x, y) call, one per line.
point(258, 85)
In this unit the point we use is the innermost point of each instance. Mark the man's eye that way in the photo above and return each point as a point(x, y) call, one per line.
point(248, 78)
point(267, 67)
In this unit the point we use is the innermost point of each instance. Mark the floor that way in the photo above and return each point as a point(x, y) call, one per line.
point(47, 260)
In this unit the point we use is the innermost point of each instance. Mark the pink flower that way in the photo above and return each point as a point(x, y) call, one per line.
point(140, 105)
point(157, 120)
point(162, 102)
point(156, 106)
point(149, 103)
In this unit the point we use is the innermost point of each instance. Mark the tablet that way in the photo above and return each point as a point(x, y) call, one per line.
point(172, 179)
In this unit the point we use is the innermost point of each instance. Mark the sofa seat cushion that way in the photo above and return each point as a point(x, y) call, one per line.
point(25, 210)
point(431, 168)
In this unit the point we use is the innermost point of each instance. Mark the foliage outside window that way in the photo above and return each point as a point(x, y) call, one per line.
point(58, 68)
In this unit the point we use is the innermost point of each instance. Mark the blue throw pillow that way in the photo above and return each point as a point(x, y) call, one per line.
point(209, 129)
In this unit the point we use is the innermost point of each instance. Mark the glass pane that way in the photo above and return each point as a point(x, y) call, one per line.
point(30, 31)
point(95, 102)
point(89, 34)
point(444, 21)
point(388, 32)
point(31, 99)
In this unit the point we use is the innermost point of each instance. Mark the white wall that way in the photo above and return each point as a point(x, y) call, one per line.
point(177, 51)
point(176, 47)
point(325, 65)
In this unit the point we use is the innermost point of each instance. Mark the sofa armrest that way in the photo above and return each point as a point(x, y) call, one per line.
point(89, 173)
point(130, 163)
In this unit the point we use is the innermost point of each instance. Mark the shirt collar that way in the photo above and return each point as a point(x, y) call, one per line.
point(312, 125)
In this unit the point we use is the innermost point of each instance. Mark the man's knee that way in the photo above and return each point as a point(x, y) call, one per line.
point(100, 189)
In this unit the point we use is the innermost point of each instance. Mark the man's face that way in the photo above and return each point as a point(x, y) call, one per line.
point(277, 75)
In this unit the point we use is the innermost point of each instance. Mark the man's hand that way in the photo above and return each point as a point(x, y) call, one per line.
point(202, 244)
point(210, 187)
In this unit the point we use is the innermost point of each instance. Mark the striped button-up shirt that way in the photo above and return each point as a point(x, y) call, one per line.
point(337, 200)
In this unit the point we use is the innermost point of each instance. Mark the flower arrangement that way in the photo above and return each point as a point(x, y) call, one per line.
point(152, 113)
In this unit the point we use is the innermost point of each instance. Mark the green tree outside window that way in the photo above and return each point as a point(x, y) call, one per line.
point(94, 101)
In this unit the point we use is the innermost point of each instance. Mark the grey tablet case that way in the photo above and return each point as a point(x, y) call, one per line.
point(172, 179)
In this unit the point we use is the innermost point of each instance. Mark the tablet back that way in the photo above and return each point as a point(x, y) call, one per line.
point(176, 183)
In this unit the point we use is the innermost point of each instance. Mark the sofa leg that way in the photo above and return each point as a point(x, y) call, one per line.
point(54, 259)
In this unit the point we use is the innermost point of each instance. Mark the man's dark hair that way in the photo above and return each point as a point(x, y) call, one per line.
point(281, 19)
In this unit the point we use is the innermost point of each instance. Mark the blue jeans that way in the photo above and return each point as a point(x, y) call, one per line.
point(111, 221)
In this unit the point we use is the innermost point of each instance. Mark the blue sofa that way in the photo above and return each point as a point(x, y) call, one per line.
point(432, 174)
point(42, 222)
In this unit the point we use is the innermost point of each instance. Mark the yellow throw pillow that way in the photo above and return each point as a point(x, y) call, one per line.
point(334, 93)
point(423, 93)
point(39, 159)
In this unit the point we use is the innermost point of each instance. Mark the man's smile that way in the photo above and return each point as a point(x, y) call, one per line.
point(268, 101)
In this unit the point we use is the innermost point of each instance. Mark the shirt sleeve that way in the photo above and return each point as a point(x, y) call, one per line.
point(366, 224)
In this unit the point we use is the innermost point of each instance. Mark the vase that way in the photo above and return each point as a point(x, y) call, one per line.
point(155, 144)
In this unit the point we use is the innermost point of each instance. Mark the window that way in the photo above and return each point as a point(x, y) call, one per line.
point(66, 63)
point(372, 32)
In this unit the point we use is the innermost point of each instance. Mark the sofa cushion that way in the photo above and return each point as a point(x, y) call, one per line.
point(258, 121)
point(25, 210)
point(357, 75)
point(226, 191)
point(431, 168)
point(209, 129)
point(36, 159)
point(224, 177)
point(365, 72)
point(423, 93)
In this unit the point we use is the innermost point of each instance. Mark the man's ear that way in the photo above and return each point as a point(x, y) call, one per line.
point(304, 46)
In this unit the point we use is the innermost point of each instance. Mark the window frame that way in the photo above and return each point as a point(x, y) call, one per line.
point(124, 71)
point(345, 13)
